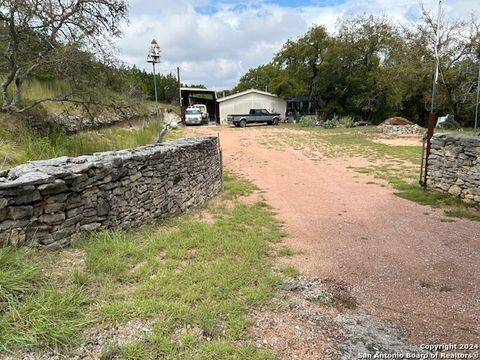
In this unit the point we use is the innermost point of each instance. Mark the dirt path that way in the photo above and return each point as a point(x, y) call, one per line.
point(402, 261)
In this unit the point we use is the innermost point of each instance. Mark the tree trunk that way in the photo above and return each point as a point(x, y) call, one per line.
point(18, 93)
point(5, 84)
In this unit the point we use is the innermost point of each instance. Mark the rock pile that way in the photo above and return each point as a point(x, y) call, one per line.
point(47, 202)
point(454, 165)
point(400, 129)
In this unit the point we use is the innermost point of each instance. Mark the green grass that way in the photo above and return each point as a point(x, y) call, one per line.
point(17, 276)
point(286, 251)
point(33, 311)
point(193, 282)
point(235, 186)
point(289, 271)
point(470, 213)
point(51, 318)
point(18, 145)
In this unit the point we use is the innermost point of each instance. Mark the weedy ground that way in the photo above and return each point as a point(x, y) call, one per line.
point(190, 283)
point(18, 145)
point(396, 165)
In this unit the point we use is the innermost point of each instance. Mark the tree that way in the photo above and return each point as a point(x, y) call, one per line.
point(58, 35)
point(458, 51)
point(303, 59)
point(270, 78)
point(365, 45)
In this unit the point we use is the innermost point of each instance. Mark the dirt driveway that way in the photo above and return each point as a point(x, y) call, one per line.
point(402, 261)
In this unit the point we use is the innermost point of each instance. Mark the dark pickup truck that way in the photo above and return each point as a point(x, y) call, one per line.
point(255, 116)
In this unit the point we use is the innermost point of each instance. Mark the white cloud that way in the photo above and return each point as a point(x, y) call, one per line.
point(216, 46)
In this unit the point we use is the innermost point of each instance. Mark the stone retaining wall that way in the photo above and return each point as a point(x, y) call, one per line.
point(400, 129)
point(454, 165)
point(47, 203)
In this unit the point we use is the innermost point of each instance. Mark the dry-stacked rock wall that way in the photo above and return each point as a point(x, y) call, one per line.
point(48, 202)
point(454, 165)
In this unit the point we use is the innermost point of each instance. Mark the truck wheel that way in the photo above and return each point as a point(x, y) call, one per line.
point(243, 123)
point(275, 121)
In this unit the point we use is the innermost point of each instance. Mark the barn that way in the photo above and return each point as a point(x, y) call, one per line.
point(242, 102)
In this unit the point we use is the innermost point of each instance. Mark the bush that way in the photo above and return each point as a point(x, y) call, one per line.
point(346, 122)
point(450, 124)
point(308, 121)
point(331, 123)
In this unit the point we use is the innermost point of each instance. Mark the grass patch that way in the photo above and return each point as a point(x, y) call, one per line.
point(202, 276)
point(49, 319)
point(192, 282)
point(289, 271)
point(286, 251)
point(470, 214)
point(34, 313)
point(18, 277)
point(235, 186)
point(18, 145)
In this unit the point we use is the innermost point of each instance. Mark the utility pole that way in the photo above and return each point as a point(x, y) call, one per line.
point(153, 57)
point(478, 95)
point(437, 59)
point(180, 100)
point(432, 118)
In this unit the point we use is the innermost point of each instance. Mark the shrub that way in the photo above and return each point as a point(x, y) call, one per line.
point(331, 123)
point(308, 121)
point(450, 124)
point(346, 122)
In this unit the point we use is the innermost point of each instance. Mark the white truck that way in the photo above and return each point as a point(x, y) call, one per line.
point(193, 116)
point(203, 109)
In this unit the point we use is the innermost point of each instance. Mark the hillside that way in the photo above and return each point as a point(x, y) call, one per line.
point(55, 129)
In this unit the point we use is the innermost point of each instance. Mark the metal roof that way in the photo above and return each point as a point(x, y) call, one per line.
point(197, 90)
point(245, 93)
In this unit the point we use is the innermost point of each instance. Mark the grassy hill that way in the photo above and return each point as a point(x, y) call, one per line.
point(19, 144)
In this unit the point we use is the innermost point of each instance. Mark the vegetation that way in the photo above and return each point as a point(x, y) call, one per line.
point(33, 311)
point(398, 166)
point(52, 39)
point(58, 59)
point(18, 145)
point(371, 69)
point(189, 283)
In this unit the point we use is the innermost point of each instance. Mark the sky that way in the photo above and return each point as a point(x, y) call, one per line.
point(215, 42)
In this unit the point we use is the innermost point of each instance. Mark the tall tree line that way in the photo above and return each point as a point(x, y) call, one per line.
point(372, 69)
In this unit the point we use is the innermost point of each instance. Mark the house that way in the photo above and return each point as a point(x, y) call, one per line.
point(242, 102)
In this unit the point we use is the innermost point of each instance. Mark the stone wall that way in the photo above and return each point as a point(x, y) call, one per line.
point(400, 129)
point(46, 203)
point(454, 165)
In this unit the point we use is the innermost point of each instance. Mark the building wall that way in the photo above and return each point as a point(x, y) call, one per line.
point(47, 203)
point(454, 165)
point(243, 104)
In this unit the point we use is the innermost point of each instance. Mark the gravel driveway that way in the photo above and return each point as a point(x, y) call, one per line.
point(404, 262)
